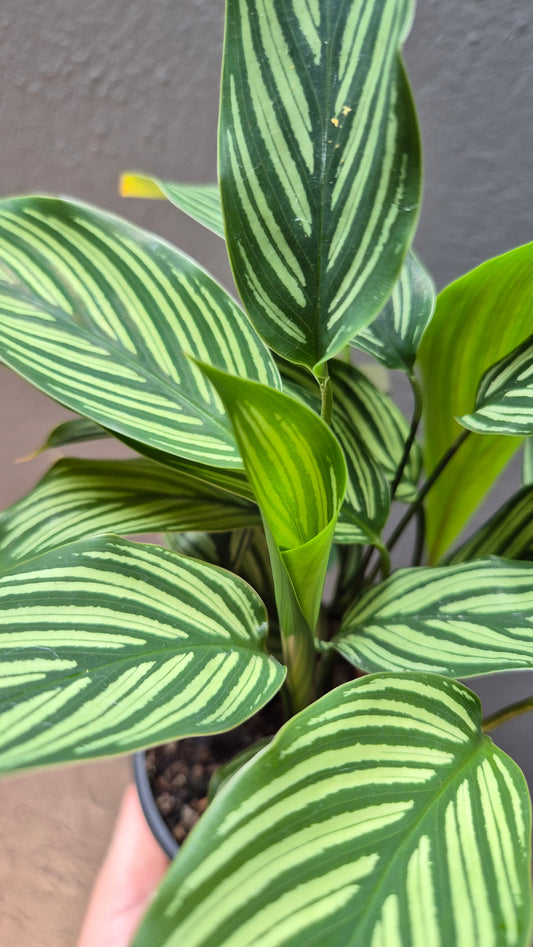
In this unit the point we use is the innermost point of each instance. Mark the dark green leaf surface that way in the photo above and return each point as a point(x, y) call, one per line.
point(108, 646)
point(77, 431)
point(319, 192)
point(199, 201)
point(101, 316)
point(394, 336)
point(508, 533)
point(381, 816)
point(504, 401)
point(78, 498)
point(478, 320)
point(461, 620)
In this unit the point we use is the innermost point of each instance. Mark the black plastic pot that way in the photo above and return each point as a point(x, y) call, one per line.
point(155, 820)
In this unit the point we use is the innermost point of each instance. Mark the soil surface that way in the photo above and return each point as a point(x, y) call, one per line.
point(180, 772)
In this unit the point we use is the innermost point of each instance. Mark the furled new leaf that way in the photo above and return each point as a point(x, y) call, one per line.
point(108, 646)
point(394, 336)
point(461, 620)
point(478, 320)
point(199, 201)
point(319, 166)
point(77, 431)
point(78, 498)
point(380, 816)
point(509, 533)
point(101, 316)
point(527, 462)
point(504, 401)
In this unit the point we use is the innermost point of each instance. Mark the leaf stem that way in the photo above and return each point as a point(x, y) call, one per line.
point(507, 713)
point(426, 487)
point(326, 396)
point(415, 421)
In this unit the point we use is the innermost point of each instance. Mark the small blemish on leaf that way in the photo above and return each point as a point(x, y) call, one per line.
point(345, 110)
point(335, 121)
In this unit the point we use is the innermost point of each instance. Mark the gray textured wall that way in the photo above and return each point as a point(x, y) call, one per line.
point(90, 89)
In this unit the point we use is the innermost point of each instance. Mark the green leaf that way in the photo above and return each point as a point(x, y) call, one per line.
point(394, 336)
point(109, 646)
point(298, 473)
point(319, 166)
point(509, 533)
point(101, 316)
point(380, 816)
point(199, 201)
point(527, 462)
point(478, 320)
point(461, 620)
point(504, 401)
point(79, 498)
point(77, 431)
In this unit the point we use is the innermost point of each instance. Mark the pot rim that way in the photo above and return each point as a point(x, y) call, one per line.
point(160, 830)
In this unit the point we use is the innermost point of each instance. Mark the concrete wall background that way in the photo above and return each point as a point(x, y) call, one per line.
point(88, 90)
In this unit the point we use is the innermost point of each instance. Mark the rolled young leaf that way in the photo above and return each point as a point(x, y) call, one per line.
point(462, 620)
point(504, 400)
point(319, 165)
point(298, 473)
point(79, 498)
point(394, 336)
point(527, 462)
point(109, 646)
point(199, 201)
point(101, 315)
point(77, 431)
point(380, 816)
point(478, 320)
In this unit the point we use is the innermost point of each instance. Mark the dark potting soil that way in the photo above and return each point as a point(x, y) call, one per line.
point(180, 772)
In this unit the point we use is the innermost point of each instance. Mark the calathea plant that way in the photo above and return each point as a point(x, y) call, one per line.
point(381, 813)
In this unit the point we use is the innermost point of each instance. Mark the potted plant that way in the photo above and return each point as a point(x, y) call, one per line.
point(380, 812)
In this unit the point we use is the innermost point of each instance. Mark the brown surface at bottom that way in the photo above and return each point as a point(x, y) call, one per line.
point(54, 830)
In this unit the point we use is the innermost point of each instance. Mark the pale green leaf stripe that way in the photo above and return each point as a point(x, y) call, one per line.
point(509, 533)
point(101, 316)
point(199, 201)
point(79, 498)
point(320, 193)
point(379, 816)
point(460, 620)
point(108, 646)
point(504, 401)
point(394, 336)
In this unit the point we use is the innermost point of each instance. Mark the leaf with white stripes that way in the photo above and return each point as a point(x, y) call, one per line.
point(394, 336)
point(319, 165)
point(108, 646)
point(460, 620)
point(102, 316)
point(504, 400)
point(381, 816)
point(199, 201)
point(508, 533)
point(298, 473)
point(79, 498)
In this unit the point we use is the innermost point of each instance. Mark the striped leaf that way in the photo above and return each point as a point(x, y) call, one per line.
point(509, 533)
point(460, 620)
point(199, 201)
point(298, 473)
point(77, 431)
point(504, 401)
point(381, 816)
point(101, 316)
point(319, 165)
point(478, 320)
point(109, 646)
point(394, 336)
point(79, 498)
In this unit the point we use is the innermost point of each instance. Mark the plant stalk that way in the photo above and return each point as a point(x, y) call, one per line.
point(415, 421)
point(507, 713)
point(326, 396)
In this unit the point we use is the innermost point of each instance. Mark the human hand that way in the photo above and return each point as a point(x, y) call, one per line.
point(131, 871)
